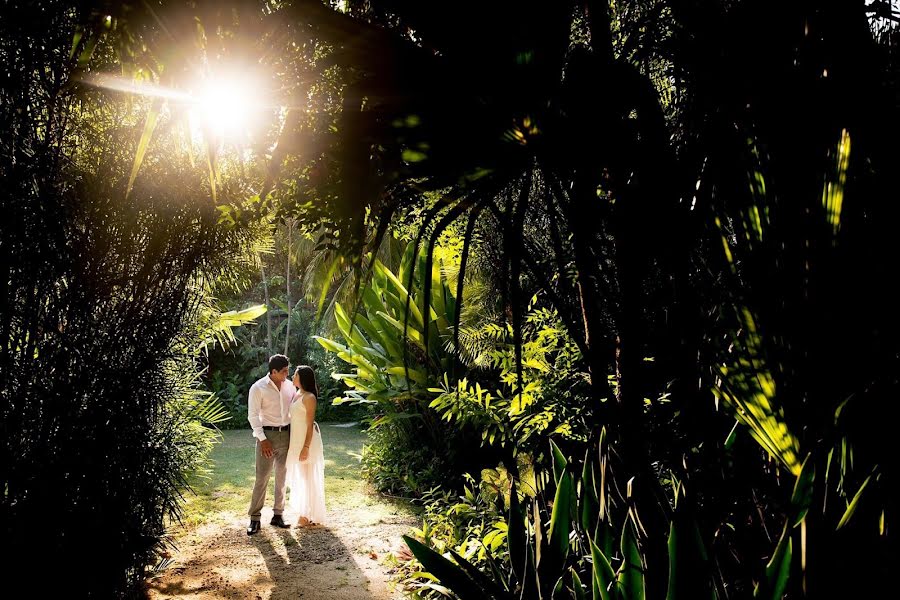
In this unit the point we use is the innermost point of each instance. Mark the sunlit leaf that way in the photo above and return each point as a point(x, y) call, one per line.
point(833, 192)
point(851, 508)
point(144, 142)
point(602, 578)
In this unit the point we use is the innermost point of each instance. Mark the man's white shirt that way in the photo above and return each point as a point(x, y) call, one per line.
point(266, 405)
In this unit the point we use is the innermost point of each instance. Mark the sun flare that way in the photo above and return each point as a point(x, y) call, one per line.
point(224, 107)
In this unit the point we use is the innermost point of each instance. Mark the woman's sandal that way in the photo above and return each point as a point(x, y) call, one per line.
point(307, 524)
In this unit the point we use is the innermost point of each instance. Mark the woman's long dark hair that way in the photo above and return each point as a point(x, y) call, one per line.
point(307, 379)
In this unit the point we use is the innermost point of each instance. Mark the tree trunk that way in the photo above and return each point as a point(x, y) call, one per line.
point(589, 301)
point(578, 215)
point(287, 283)
point(265, 283)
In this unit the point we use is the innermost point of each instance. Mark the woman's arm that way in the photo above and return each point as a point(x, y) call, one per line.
point(309, 401)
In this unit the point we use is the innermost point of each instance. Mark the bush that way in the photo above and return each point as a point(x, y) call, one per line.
point(470, 523)
point(106, 296)
point(396, 465)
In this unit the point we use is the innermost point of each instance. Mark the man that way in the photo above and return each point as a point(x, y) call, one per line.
point(269, 413)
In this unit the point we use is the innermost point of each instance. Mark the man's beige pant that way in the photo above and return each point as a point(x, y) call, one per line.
point(280, 442)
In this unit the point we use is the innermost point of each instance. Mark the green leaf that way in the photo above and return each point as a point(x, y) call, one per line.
point(732, 436)
point(778, 570)
point(540, 540)
point(330, 345)
point(577, 586)
point(605, 538)
point(689, 575)
point(559, 461)
point(413, 156)
point(323, 295)
point(360, 340)
point(447, 573)
point(386, 335)
point(803, 492)
point(221, 330)
point(833, 191)
point(402, 294)
point(631, 573)
point(76, 40)
point(370, 330)
point(280, 304)
point(406, 263)
point(602, 577)
point(560, 520)
point(209, 410)
point(851, 508)
point(411, 333)
point(749, 387)
point(234, 318)
point(88, 51)
point(496, 573)
point(600, 486)
point(414, 374)
point(364, 366)
point(530, 583)
point(559, 588)
point(590, 506)
point(491, 587)
point(372, 301)
point(342, 321)
point(516, 537)
point(144, 143)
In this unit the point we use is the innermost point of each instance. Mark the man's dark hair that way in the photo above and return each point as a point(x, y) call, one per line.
point(277, 362)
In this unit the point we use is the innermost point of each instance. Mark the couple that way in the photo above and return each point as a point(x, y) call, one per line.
point(282, 415)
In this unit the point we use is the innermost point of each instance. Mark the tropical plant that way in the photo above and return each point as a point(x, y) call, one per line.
point(221, 325)
point(544, 395)
point(398, 357)
point(397, 342)
point(589, 540)
point(586, 541)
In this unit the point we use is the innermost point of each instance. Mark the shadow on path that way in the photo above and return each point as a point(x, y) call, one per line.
point(351, 559)
point(311, 563)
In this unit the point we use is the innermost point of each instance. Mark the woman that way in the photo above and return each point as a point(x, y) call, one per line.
point(306, 457)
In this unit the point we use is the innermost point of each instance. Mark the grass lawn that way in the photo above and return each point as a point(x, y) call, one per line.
point(225, 491)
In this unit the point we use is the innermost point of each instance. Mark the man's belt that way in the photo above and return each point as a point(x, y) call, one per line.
point(274, 428)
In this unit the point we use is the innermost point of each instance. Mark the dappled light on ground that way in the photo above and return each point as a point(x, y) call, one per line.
point(350, 558)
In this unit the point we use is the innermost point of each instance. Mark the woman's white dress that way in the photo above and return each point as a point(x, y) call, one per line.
point(306, 479)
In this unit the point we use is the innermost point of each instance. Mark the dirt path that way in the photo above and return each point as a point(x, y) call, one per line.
point(350, 558)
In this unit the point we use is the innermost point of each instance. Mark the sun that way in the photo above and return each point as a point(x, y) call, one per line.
point(224, 106)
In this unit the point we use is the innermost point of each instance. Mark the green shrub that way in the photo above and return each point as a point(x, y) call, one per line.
point(397, 466)
point(470, 523)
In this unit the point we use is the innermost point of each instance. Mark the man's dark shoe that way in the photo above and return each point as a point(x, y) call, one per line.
point(254, 528)
point(277, 521)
